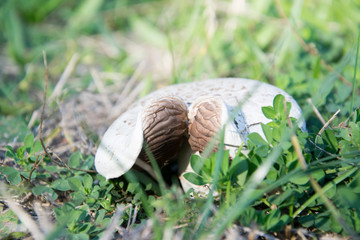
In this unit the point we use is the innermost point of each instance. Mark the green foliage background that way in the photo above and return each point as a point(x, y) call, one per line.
point(199, 39)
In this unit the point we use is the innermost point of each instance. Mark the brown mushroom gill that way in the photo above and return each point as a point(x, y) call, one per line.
point(164, 126)
point(204, 123)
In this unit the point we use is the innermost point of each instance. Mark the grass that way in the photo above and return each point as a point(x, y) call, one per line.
point(109, 53)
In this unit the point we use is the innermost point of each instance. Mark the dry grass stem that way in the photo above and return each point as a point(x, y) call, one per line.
point(328, 122)
point(124, 105)
point(329, 204)
point(316, 111)
point(23, 216)
point(131, 82)
point(129, 93)
point(64, 77)
point(297, 147)
point(44, 102)
point(135, 215)
point(129, 220)
point(34, 116)
point(100, 86)
point(143, 165)
point(301, 235)
point(59, 160)
point(44, 218)
point(295, 141)
point(108, 233)
point(65, 128)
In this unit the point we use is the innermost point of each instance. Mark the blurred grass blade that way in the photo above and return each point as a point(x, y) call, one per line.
point(210, 198)
point(86, 13)
point(329, 82)
point(354, 78)
point(14, 32)
point(45, 7)
point(156, 169)
point(149, 32)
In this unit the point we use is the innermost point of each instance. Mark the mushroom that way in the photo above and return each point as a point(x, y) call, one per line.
point(159, 121)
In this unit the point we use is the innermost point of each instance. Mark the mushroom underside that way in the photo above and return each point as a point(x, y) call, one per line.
point(204, 123)
point(164, 126)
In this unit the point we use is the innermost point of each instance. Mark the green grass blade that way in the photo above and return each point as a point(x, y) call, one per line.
point(207, 208)
point(157, 170)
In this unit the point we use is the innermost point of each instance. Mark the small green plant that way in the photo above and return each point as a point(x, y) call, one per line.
point(26, 157)
point(282, 198)
point(91, 199)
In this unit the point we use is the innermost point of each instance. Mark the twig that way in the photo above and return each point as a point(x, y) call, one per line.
point(344, 124)
point(129, 220)
point(72, 168)
point(43, 106)
point(42, 112)
point(135, 215)
point(316, 111)
point(328, 122)
point(23, 216)
point(42, 120)
point(26, 198)
point(310, 48)
point(36, 164)
point(323, 150)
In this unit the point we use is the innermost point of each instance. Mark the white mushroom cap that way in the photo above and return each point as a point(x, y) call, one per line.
point(121, 145)
point(123, 141)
